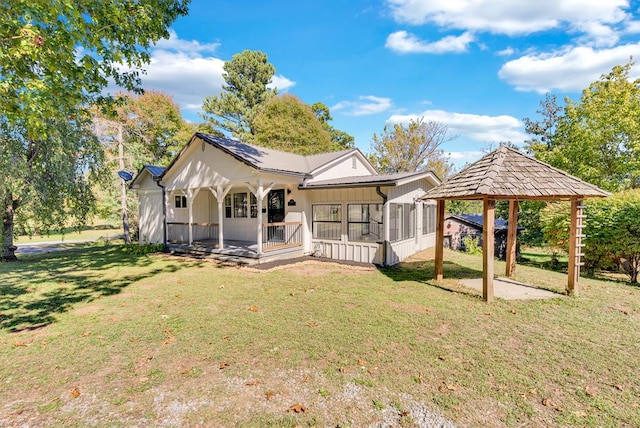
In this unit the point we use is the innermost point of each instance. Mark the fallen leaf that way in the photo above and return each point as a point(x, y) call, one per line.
point(307, 379)
point(223, 365)
point(451, 387)
point(253, 308)
point(372, 370)
point(590, 391)
point(225, 337)
point(180, 282)
point(19, 343)
point(177, 296)
point(185, 371)
point(546, 402)
point(297, 408)
point(441, 357)
point(342, 370)
point(361, 362)
point(222, 286)
point(313, 324)
point(513, 311)
point(487, 313)
point(269, 395)
point(75, 393)
point(253, 383)
point(381, 351)
point(618, 387)
point(86, 333)
point(292, 294)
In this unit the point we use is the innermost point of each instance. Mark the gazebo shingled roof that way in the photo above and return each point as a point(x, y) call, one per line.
point(506, 173)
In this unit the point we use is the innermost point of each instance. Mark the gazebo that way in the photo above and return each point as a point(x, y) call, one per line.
point(507, 174)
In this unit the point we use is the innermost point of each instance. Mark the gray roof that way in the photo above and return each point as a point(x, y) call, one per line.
point(155, 171)
point(366, 180)
point(506, 173)
point(266, 159)
point(478, 221)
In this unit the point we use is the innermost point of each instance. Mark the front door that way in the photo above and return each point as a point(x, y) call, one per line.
point(275, 214)
point(275, 206)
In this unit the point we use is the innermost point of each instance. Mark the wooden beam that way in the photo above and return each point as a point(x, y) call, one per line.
point(439, 261)
point(575, 246)
point(488, 239)
point(512, 238)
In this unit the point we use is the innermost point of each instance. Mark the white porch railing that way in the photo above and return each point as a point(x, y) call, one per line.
point(281, 235)
point(202, 233)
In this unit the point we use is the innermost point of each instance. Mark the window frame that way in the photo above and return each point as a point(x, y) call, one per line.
point(180, 201)
point(367, 222)
point(314, 222)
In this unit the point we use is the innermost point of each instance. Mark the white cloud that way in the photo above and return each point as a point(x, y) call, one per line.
point(572, 69)
point(403, 42)
point(476, 127)
point(506, 52)
point(512, 17)
point(366, 105)
point(187, 70)
point(281, 82)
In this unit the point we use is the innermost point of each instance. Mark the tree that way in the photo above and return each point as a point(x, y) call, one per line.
point(544, 130)
point(411, 147)
point(55, 60)
point(45, 183)
point(286, 123)
point(340, 139)
point(56, 57)
point(598, 137)
point(247, 77)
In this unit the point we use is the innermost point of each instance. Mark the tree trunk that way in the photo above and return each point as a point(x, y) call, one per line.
point(8, 250)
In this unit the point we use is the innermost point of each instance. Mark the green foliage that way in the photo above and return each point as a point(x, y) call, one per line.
point(56, 57)
point(140, 250)
point(458, 206)
point(340, 139)
point(470, 244)
point(555, 222)
point(598, 137)
point(528, 218)
point(234, 110)
point(411, 147)
point(46, 183)
point(55, 60)
point(613, 232)
point(286, 123)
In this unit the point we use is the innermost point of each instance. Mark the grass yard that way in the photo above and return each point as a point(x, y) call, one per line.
point(71, 234)
point(100, 337)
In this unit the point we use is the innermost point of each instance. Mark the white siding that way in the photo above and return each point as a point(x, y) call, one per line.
point(410, 193)
point(352, 166)
point(150, 226)
point(343, 249)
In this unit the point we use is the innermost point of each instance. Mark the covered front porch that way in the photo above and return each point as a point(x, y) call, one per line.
point(254, 221)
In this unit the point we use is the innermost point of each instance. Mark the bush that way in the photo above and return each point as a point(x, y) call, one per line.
point(140, 250)
point(470, 245)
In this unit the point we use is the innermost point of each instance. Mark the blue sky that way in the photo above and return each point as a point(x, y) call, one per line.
point(479, 66)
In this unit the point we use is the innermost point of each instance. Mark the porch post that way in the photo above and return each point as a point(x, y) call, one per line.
point(190, 203)
point(439, 270)
point(488, 248)
point(220, 193)
point(259, 195)
point(386, 226)
point(512, 237)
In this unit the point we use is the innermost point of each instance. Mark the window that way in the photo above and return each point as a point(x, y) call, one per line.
point(428, 219)
point(227, 206)
point(327, 221)
point(253, 201)
point(402, 223)
point(364, 222)
point(240, 205)
point(181, 202)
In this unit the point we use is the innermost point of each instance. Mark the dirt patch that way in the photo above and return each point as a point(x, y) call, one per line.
point(86, 310)
point(311, 266)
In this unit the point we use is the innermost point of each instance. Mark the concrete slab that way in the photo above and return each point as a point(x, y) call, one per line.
point(509, 289)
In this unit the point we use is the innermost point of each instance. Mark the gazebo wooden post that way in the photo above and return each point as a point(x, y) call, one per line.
point(512, 237)
point(488, 239)
point(439, 262)
point(575, 247)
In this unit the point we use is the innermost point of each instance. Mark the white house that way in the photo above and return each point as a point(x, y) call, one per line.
point(234, 199)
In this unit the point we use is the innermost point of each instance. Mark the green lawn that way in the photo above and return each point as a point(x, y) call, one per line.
point(71, 234)
point(100, 337)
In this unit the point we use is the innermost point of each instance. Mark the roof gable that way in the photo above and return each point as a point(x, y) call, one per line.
point(506, 173)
